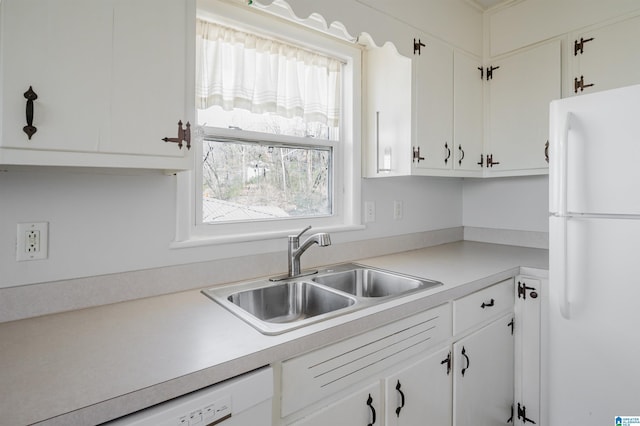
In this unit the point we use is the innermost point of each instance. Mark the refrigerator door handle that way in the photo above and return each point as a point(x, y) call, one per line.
point(561, 164)
point(565, 307)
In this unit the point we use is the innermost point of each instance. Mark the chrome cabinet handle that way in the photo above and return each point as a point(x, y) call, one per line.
point(30, 96)
point(378, 168)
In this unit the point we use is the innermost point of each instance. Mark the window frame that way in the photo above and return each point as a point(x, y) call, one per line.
point(190, 230)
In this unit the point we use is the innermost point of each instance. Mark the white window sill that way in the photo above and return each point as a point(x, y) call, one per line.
point(201, 241)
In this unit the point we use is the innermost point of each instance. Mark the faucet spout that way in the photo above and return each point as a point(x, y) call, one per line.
point(296, 250)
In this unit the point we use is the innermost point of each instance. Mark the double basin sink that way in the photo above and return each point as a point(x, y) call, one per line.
point(277, 307)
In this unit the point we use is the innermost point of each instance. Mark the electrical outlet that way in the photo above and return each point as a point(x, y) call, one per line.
point(32, 241)
point(369, 211)
point(397, 210)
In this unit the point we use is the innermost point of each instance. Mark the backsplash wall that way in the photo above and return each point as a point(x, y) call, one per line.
point(103, 222)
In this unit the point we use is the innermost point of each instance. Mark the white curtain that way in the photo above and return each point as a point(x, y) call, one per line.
point(235, 69)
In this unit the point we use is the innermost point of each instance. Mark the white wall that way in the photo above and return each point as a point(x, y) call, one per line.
point(517, 203)
point(104, 222)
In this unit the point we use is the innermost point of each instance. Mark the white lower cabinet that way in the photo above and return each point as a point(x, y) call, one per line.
point(483, 377)
point(355, 380)
point(421, 393)
point(361, 407)
point(463, 363)
point(530, 293)
point(483, 356)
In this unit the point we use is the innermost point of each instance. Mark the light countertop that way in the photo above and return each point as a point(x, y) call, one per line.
point(92, 365)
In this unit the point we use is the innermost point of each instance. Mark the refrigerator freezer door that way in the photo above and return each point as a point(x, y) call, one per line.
point(591, 362)
point(600, 134)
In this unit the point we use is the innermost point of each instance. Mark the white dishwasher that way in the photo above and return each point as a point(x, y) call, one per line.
point(242, 401)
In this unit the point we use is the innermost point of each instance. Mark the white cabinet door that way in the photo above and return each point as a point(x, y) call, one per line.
point(483, 381)
point(522, 86)
point(387, 112)
point(62, 50)
point(360, 408)
point(448, 116)
point(606, 57)
point(528, 304)
point(149, 76)
point(110, 78)
point(467, 113)
point(421, 393)
point(433, 106)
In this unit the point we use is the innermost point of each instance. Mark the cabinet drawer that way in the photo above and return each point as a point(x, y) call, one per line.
point(319, 374)
point(482, 305)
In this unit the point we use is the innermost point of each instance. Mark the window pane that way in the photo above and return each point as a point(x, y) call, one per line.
point(245, 181)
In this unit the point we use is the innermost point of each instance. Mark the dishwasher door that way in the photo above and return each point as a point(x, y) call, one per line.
point(241, 401)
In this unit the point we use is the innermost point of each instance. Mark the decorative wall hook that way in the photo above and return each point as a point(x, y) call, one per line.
point(184, 135)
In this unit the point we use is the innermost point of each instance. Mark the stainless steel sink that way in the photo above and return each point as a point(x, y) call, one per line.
point(289, 302)
point(366, 282)
point(275, 308)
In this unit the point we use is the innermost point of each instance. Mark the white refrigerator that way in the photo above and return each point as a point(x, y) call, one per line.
point(591, 344)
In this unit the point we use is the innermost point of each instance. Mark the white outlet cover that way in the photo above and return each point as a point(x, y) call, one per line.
point(369, 211)
point(34, 247)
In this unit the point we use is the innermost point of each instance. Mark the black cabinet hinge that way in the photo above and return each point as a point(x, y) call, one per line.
point(184, 135)
point(416, 155)
point(512, 324)
point(522, 414)
point(490, 72)
point(490, 161)
point(447, 362)
point(579, 84)
point(522, 291)
point(481, 73)
point(481, 163)
point(578, 46)
point(417, 46)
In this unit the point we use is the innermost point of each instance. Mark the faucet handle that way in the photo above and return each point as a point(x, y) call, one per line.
point(302, 232)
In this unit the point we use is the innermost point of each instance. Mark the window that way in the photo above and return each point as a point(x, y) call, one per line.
point(279, 138)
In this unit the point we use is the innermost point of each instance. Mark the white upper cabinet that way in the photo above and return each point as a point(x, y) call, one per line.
point(605, 57)
point(423, 116)
point(110, 79)
point(467, 113)
point(448, 112)
point(520, 89)
point(62, 50)
point(149, 76)
point(433, 105)
point(386, 112)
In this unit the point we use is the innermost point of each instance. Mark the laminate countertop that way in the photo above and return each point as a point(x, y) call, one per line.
point(92, 365)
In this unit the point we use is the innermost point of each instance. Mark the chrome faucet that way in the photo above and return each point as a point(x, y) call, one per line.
point(295, 249)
